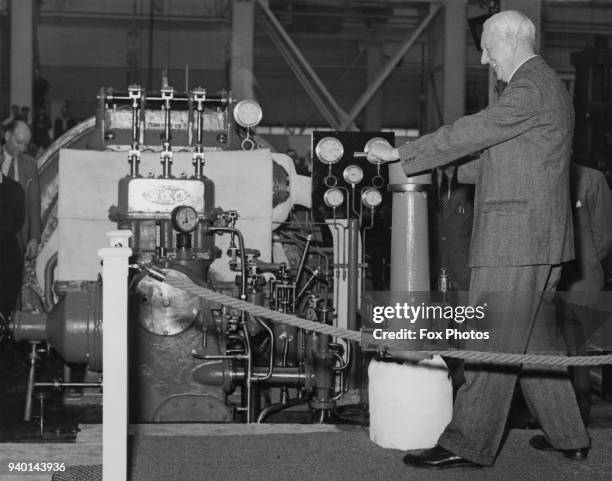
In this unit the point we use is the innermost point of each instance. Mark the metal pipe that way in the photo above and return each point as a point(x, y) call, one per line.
point(243, 286)
point(199, 95)
point(218, 357)
point(61, 385)
point(167, 94)
point(353, 261)
point(41, 419)
point(135, 95)
point(309, 283)
point(27, 415)
point(303, 260)
point(268, 375)
point(213, 101)
point(352, 288)
point(279, 407)
point(292, 375)
point(388, 68)
point(249, 370)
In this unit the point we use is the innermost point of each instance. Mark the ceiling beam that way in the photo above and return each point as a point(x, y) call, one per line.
point(389, 67)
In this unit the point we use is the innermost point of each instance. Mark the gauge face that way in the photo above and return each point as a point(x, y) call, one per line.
point(353, 174)
point(371, 197)
point(372, 141)
point(329, 150)
point(184, 218)
point(333, 198)
point(247, 113)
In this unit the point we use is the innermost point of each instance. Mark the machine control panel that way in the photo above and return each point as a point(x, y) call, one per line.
point(345, 184)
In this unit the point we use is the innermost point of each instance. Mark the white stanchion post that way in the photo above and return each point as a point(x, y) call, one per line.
point(115, 355)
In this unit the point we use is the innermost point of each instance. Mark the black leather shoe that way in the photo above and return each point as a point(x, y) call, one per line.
point(437, 458)
point(540, 442)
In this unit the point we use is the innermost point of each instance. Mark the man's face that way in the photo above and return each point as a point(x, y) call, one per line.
point(497, 52)
point(18, 140)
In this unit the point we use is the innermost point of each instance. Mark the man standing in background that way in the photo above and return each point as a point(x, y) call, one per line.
point(21, 167)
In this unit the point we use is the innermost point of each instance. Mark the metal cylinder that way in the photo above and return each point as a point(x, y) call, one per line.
point(73, 327)
point(409, 236)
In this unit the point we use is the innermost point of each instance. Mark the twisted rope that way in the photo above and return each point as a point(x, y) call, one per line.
point(356, 336)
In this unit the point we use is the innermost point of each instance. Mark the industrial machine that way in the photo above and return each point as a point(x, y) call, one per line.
point(218, 213)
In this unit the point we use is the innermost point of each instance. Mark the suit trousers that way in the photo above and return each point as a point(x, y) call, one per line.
point(518, 320)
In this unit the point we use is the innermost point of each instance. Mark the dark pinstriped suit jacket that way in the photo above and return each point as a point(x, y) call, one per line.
point(522, 199)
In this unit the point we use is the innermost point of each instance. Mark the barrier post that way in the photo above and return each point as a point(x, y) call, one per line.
point(115, 355)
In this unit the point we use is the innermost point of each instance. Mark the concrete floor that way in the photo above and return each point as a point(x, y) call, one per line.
point(73, 435)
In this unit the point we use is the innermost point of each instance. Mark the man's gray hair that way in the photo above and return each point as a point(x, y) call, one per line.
point(512, 22)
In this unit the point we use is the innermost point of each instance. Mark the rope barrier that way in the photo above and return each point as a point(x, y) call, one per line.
point(397, 345)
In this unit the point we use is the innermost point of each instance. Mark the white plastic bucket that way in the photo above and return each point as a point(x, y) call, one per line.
point(410, 404)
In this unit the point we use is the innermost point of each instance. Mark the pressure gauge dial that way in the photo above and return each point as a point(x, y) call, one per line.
point(247, 113)
point(371, 197)
point(333, 198)
point(329, 150)
point(373, 141)
point(184, 218)
point(353, 174)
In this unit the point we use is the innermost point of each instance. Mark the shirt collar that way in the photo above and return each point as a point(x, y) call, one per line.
point(7, 156)
point(519, 66)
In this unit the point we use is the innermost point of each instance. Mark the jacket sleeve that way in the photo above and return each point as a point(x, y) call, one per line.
point(467, 173)
point(514, 113)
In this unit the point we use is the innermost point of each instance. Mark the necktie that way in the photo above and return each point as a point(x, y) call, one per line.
point(11, 171)
point(444, 192)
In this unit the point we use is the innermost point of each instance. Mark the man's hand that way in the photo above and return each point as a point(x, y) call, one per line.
point(31, 249)
point(382, 152)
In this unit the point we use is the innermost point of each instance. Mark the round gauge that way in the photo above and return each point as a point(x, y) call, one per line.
point(371, 197)
point(333, 198)
point(353, 174)
point(372, 141)
point(184, 218)
point(329, 150)
point(247, 113)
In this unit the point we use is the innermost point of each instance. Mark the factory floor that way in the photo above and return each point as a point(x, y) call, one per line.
point(72, 435)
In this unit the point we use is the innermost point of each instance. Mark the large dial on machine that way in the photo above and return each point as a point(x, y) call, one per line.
point(184, 219)
point(247, 113)
point(329, 150)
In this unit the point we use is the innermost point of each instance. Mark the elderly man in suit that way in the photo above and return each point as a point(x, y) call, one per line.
point(522, 233)
point(17, 165)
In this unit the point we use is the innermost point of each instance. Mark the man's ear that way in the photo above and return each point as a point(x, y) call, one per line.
point(513, 41)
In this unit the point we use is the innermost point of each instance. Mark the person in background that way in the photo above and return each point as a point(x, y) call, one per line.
point(25, 114)
point(15, 115)
point(41, 126)
point(451, 214)
point(21, 167)
point(592, 214)
point(63, 123)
